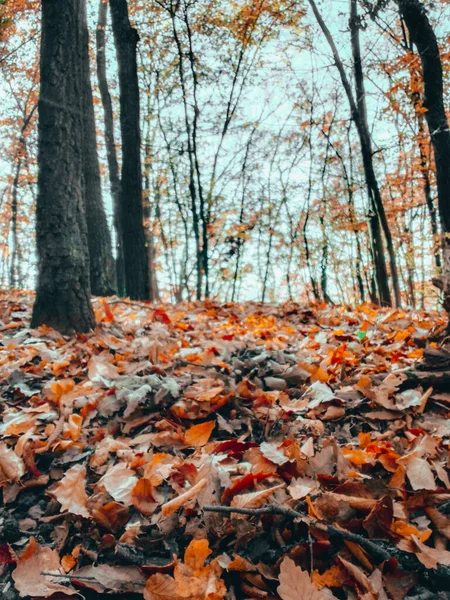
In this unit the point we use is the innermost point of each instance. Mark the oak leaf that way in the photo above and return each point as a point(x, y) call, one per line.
point(194, 579)
point(296, 584)
point(161, 587)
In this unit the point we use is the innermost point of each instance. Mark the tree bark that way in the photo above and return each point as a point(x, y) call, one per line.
point(423, 37)
point(63, 287)
point(99, 237)
point(111, 153)
point(131, 212)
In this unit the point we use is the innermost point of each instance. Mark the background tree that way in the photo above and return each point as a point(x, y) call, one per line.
point(131, 214)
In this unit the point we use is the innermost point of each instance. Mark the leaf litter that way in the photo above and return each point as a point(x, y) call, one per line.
point(232, 451)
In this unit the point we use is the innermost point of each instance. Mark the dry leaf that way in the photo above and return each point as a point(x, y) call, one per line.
point(272, 453)
point(254, 499)
point(182, 499)
point(194, 579)
point(12, 467)
point(119, 482)
point(301, 487)
point(296, 584)
point(418, 472)
point(440, 521)
point(28, 578)
point(71, 491)
point(161, 587)
point(116, 579)
point(198, 435)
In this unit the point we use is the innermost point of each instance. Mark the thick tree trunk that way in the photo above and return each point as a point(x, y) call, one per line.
point(111, 153)
point(424, 38)
point(99, 237)
point(63, 289)
point(131, 214)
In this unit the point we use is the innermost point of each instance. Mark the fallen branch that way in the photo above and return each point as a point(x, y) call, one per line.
point(376, 551)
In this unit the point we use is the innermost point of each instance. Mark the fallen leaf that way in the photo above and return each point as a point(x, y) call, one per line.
point(182, 499)
point(119, 482)
point(12, 467)
point(28, 575)
point(198, 435)
point(254, 499)
point(161, 587)
point(296, 584)
point(71, 491)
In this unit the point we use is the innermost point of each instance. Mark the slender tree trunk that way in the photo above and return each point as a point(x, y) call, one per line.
point(14, 271)
point(381, 274)
point(425, 170)
point(131, 213)
point(424, 38)
point(103, 280)
point(366, 145)
point(111, 153)
point(63, 288)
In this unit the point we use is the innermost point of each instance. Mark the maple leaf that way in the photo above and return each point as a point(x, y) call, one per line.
point(296, 584)
point(301, 487)
point(28, 577)
point(71, 491)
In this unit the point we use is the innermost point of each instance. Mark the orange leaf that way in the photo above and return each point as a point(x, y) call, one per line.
point(75, 422)
point(198, 435)
point(142, 497)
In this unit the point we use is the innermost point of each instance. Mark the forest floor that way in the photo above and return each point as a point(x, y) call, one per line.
point(231, 451)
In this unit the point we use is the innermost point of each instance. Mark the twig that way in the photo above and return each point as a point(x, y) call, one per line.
point(375, 550)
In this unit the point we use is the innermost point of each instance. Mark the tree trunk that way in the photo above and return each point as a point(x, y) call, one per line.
point(424, 38)
point(63, 288)
point(381, 274)
point(131, 213)
point(111, 153)
point(99, 237)
point(366, 146)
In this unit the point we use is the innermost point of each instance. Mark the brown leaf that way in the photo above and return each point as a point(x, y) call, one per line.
point(440, 521)
point(296, 584)
point(116, 579)
point(418, 472)
point(12, 467)
point(28, 575)
point(71, 491)
point(161, 587)
point(194, 579)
